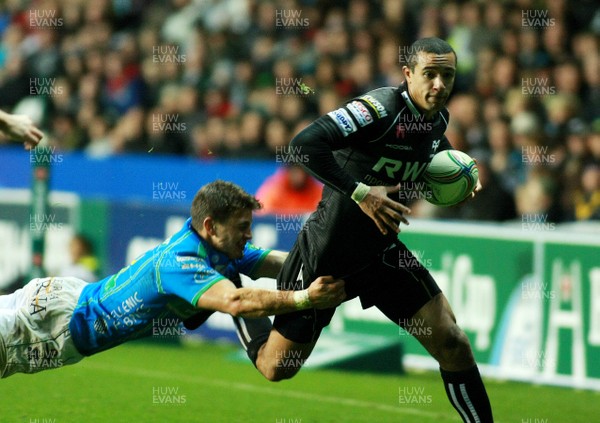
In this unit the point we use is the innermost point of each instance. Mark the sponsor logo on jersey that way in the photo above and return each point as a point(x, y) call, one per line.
point(343, 121)
point(434, 146)
point(375, 104)
point(399, 147)
point(360, 112)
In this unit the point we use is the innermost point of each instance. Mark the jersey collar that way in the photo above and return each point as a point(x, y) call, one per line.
point(205, 250)
point(411, 106)
point(409, 103)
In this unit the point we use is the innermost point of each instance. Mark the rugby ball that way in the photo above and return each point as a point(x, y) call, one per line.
point(450, 178)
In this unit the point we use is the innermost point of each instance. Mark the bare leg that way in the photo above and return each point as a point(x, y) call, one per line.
point(279, 358)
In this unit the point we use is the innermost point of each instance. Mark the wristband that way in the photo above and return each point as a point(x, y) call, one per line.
point(302, 300)
point(360, 192)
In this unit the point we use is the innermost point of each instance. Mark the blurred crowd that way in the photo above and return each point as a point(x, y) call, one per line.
point(238, 78)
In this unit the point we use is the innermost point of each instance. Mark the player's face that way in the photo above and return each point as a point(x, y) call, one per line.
point(431, 82)
point(230, 237)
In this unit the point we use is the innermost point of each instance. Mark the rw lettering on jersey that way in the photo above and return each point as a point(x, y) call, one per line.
point(392, 168)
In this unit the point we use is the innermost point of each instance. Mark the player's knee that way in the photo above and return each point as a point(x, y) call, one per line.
point(277, 370)
point(277, 374)
point(453, 347)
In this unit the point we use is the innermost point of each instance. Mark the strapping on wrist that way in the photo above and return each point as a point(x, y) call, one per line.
point(302, 300)
point(360, 192)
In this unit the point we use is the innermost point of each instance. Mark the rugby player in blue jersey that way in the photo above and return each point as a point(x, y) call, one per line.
point(52, 322)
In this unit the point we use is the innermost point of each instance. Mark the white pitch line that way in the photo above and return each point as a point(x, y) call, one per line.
point(271, 391)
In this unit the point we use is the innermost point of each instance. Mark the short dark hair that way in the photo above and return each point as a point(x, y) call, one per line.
point(219, 200)
point(428, 45)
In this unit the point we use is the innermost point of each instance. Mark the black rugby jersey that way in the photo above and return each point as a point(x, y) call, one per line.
point(379, 138)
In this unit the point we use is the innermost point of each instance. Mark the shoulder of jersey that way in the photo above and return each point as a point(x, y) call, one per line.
point(364, 110)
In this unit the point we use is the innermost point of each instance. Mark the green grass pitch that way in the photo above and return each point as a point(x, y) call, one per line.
point(150, 382)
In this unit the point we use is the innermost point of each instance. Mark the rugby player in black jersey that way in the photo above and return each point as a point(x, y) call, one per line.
point(364, 152)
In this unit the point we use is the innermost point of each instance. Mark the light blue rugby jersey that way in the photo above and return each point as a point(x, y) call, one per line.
point(163, 283)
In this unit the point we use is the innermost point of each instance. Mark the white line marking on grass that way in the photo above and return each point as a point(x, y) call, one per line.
point(270, 391)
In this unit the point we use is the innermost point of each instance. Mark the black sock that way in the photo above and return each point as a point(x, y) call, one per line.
point(467, 395)
point(253, 333)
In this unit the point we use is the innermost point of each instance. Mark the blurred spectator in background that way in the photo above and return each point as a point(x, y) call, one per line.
point(587, 197)
point(84, 265)
point(536, 198)
point(290, 191)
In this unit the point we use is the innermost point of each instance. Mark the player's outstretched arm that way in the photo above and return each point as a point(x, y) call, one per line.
point(271, 265)
point(20, 128)
point(324, 292)
point(385, 212)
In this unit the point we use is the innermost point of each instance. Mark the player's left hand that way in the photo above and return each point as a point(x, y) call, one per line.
point(22, 128)
point(385, 212)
